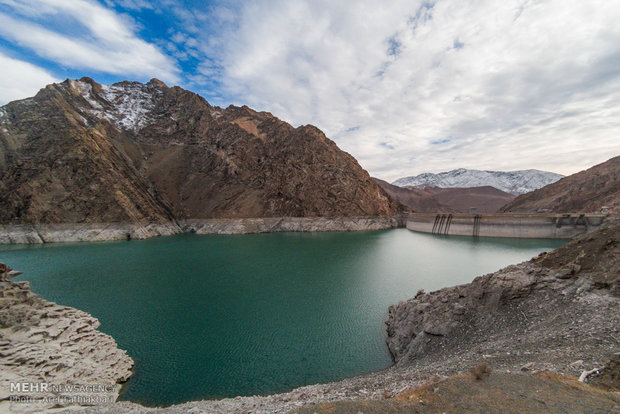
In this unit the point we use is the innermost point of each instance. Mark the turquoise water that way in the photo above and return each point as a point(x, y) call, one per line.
point(219, 316)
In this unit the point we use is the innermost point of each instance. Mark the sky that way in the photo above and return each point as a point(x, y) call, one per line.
point(404, 86)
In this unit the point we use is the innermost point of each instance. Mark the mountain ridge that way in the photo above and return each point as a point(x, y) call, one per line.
point(586, 191)
point(430, 199)
point(415, 199)
point(79, 151)
point(513, 182)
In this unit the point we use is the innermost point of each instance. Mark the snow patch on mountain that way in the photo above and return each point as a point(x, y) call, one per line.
point(132, 104)
point(216, 112)
point(129, 103)
point(3, 120)
point(86, 90)
point(514, 182)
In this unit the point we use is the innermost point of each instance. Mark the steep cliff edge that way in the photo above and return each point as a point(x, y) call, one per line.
point(81, 152)
point(53, 347)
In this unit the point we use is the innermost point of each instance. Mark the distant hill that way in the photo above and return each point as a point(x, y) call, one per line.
point(485, 199)
point(418, 200)
point(513, 182)
point(430, 199)
point(586, 191)
point(81, 152)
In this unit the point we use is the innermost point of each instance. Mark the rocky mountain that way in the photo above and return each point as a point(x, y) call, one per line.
point(82, 152)
point(416, 199)
point(430, 199)
point(485, 199)
point(513, 182)
point(586, 191)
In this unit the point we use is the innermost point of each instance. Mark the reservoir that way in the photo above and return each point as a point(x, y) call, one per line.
point(212, 316)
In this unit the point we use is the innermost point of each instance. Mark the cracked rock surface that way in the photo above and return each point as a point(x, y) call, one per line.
point(42, 342)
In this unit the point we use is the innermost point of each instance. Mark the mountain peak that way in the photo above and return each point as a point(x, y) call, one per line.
point(513, 182)
point(134, 152)
point(157, 83)
point(88, 80)
point(585, 191)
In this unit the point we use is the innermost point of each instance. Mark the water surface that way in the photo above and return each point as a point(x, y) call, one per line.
point(220, 316)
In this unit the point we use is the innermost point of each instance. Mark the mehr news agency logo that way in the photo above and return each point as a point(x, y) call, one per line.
point(49, 393)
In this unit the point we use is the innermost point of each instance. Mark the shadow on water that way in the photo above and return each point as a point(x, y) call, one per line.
point(218, 316)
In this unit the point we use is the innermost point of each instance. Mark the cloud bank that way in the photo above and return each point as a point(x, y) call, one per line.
point(408, 87)
point(405, 86)
point(31, 79)
point(84, 35)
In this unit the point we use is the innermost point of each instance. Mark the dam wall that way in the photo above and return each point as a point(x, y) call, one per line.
point(535, 226)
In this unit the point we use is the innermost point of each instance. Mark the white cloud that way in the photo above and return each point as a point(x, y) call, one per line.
point(133, 4)
point(110, 44)
point(20, 79)
point(405, 86)
point(412, 86)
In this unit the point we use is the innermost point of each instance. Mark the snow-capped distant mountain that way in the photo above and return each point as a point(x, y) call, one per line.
point(514, 182)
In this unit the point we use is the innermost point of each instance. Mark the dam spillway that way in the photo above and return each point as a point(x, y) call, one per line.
point(538, 226)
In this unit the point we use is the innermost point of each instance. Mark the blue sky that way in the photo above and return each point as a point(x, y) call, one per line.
point(406, 86)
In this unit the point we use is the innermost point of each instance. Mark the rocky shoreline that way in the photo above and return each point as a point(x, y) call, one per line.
point(82, 232)
point(290, 224)
point(54, 354)
point(558, 312)
point(566, 297)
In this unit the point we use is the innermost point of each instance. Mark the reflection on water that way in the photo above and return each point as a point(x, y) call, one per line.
point(215, 316)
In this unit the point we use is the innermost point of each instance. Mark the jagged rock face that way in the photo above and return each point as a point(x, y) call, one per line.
point(586, 191)
point(554, 304)
point(83, 152)
point(60, 163)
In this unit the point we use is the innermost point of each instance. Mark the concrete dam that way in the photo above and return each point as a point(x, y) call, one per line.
point(535, 226)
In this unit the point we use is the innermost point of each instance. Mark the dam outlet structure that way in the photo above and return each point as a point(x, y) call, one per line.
point(534, 226)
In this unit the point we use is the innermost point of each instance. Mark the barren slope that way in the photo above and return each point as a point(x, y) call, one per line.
point(431, 199)
point(83, 152)
point(416, 199)
point(586, 191)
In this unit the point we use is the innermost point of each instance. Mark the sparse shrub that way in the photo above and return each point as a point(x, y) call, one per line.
point(481, 371)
